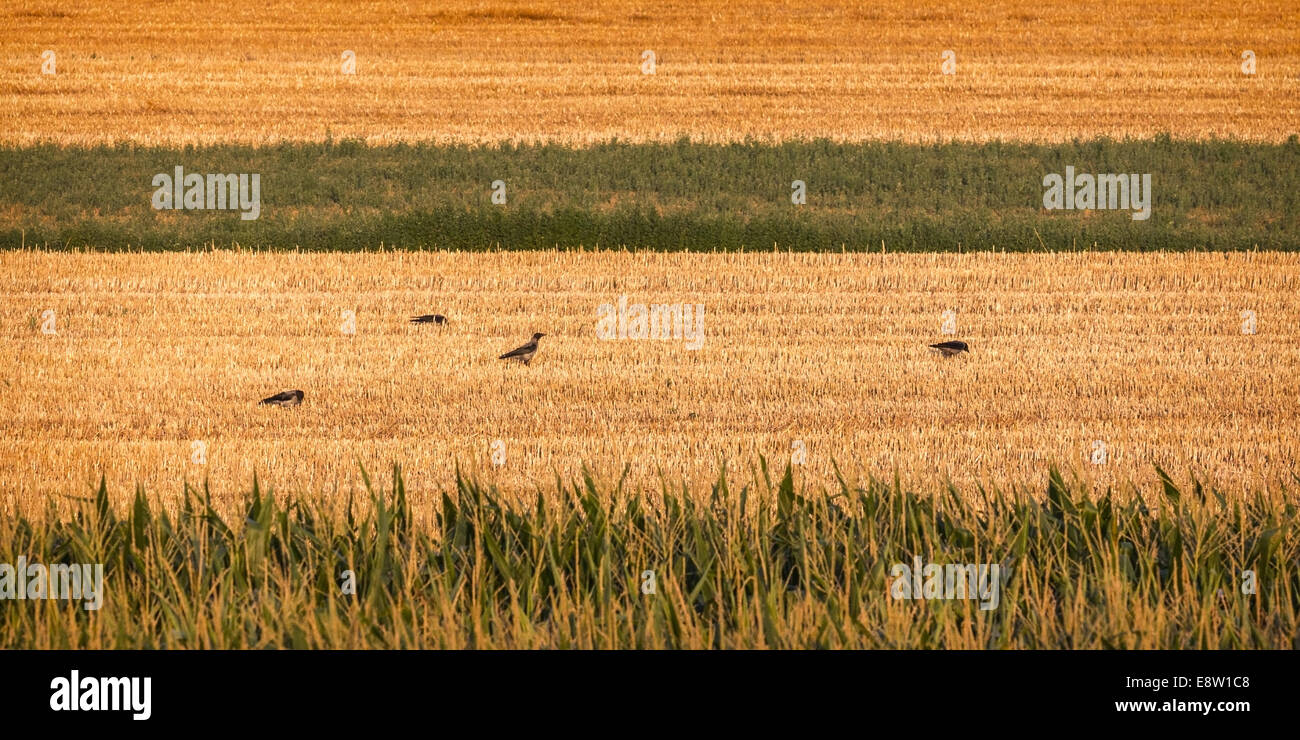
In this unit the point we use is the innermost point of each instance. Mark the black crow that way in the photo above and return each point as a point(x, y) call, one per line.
point(951, 348)
point(429, 318)
point(525, 353)
point(283, 398)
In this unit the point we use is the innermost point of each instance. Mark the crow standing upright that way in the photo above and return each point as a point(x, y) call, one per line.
point(525, 353)
point(429, 318)
point(283, 398)
point(949, 349)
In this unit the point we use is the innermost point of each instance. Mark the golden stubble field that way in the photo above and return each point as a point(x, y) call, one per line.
point(204, 73)
point(153, 352)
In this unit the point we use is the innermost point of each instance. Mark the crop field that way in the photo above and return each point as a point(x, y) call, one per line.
point(767, 563)
point(346, 196)
point(201, 73)
point(738, 236)
point(1100, 363)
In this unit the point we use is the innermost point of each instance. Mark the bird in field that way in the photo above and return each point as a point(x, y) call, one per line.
point(283, 398)
point(949, 349)
point(525, 353)
point(429, 318)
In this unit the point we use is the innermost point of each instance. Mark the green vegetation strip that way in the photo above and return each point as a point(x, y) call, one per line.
point(770, 564)
point(1220, 195)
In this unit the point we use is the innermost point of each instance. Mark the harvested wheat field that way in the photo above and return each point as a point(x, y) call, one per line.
point(816, 355)
point(203, 73)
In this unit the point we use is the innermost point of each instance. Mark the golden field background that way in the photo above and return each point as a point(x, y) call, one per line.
point(203, 73)
point(154, 351)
